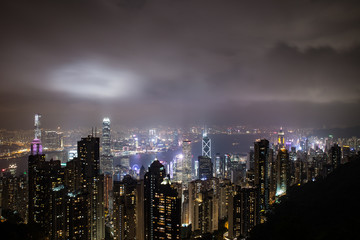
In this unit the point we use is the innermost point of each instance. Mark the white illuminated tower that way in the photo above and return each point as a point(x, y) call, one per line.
point(106, 157)
point(37, 124)
point(206, 145)
point(36, 146)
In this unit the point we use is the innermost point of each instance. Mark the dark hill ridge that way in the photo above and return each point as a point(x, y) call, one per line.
point(326, 209)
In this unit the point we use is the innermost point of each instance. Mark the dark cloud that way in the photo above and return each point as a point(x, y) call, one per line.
point(157, 61)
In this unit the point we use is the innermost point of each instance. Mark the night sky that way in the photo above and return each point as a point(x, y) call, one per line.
point(265, 63)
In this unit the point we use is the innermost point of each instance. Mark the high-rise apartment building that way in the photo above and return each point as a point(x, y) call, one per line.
point(161, 205)
point(261, 155)
point(88, 153)
point(242, 211)
point(125, 209)
point(204, 205)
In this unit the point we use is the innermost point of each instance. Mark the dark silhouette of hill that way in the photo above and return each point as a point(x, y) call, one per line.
point(326, 209)
point(338, 132)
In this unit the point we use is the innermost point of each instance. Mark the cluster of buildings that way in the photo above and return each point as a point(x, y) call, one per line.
point(223, 196)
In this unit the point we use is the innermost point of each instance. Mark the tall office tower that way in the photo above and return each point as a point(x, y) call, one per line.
point(36, 147)
point(37, 125)
point(186, 163)
point(261, 154)
point(205, 168)
point(242, 211)
point(250, 159)
point(125, 202)
point(161, 205)
point(185, 217)
point(206, 145)
point(335, 156)
point(52, 140)
point(204, 205)
point(227, 166)
point(281, 139)
point(177, 168)
point(218, 166)
point(106, 157)
point(43, 176)
point(88, 153)
point(282, 172)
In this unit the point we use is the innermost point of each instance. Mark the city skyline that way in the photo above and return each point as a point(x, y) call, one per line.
point(179, 62)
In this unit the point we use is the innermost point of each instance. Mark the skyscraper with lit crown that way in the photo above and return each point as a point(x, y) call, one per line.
point(106, 163)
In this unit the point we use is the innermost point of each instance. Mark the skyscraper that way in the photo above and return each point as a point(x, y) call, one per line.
point(125, 203)
point(242, 211)
point(205, 168)
point(43, 176)
point(37, 125)
point(88, 152)
point(335, 156)
point(204, 205)
point(261, 154)
point(282, 172)
point(152, 181)
point(161, 205)
point(281, 139)
point(106, 157)
point(187, 162)
point(206, 145)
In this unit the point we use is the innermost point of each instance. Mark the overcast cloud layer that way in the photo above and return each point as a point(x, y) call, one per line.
point(294, 63)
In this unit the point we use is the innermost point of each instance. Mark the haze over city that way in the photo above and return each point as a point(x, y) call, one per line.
point(266, 63)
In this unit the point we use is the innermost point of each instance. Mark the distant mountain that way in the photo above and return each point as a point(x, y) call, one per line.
point(338, 132)
point(326, 209)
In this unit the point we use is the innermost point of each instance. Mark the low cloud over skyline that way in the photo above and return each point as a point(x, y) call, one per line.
point(293, 63)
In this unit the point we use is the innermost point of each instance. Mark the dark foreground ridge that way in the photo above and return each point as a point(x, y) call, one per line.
point(325, 209)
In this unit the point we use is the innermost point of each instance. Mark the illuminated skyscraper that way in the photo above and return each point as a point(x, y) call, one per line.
point(282, 172)
point(106, 157)
point(335, 156)
point(36, 146)
point(281, 139)
point(37, 125)
point(88, 152)
point(261, 155)
point(43, 176)
point(125, 203)
point(205, 168)
point(204, 205)
point(161, 205)
point(242, 211)
point(206, 145)
point(187, 162)
point(219, 166)
point(53, 140)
